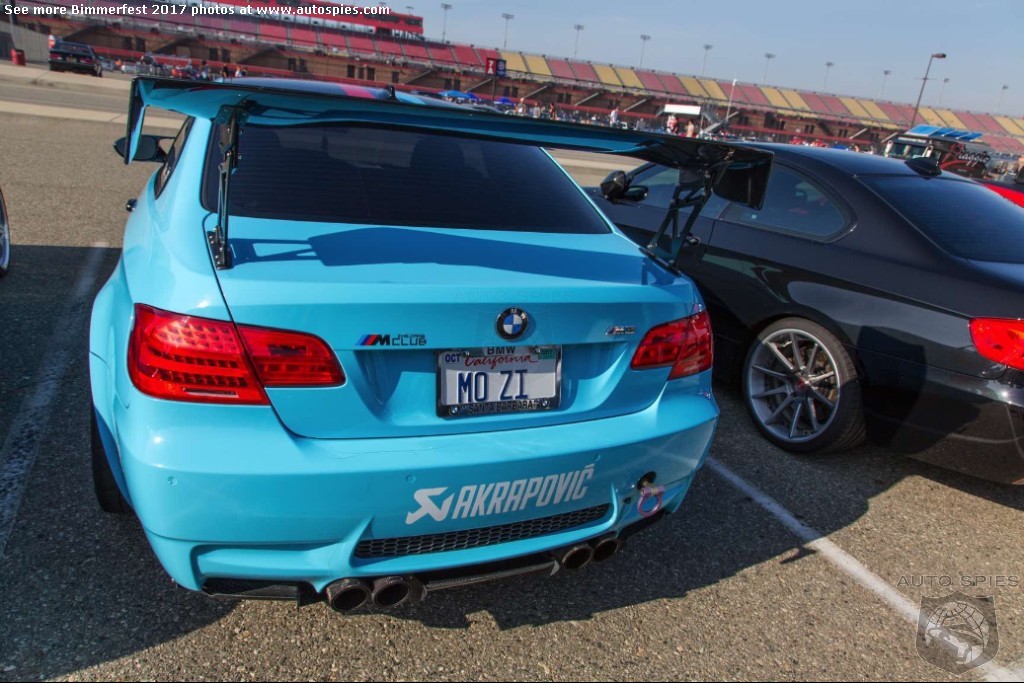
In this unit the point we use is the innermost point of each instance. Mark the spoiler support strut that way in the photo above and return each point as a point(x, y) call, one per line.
point(231, 120)
point(697, 195)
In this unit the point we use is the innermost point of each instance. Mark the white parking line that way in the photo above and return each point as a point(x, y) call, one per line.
point(847, 563)
point(18, 454)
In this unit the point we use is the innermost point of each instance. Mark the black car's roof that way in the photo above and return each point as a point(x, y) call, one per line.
point(846, 161)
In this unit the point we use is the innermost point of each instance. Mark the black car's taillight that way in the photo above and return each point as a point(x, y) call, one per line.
point(1000, 340)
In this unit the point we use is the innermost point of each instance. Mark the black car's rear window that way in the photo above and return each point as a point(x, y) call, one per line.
point(964, 218)
point(73, 48)
point(373, 176)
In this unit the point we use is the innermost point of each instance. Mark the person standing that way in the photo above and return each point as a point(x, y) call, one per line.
point(672, 125)
point(691, 130)
point(614, 118)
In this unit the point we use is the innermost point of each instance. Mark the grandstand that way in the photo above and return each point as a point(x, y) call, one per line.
point(393, 50)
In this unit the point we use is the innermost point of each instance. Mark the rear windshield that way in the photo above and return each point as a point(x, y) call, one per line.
point(964, 218)
point(372, 176)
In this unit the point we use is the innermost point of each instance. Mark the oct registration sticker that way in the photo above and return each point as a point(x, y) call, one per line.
point(498, 379)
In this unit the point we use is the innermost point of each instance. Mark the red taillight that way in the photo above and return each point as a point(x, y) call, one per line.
point(186, 358)
point(290, 359)
point(683, 344)
point(1000, 340)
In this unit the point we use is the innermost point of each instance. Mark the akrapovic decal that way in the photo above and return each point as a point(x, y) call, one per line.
point(498, 498)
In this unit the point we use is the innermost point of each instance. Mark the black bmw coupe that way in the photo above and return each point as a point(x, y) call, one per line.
point(868, 298)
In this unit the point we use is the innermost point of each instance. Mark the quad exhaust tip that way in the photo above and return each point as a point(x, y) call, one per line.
point(604, 548)
point(575, 557)
point(393, 591)
point(347, 595)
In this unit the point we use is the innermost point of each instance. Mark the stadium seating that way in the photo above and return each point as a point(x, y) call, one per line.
point(1011, 126)
point(628, 77)
point(650, 81)
point(751, 94)
point(272, 32)
point(980, 123)
point(585, 72)
point(639, 91)
point(951, 119)
point(514, 62)
point(361, 43)
point(304, 35)
point(874, 110)
point(537, 65)
point(606, 74)
point(671, 83)
point(441, 53)
point(487, 53)
point(466, 55)
point(416, 51)
point(775, 97)
point(713, 89)
point(560, 68)
point(795, 99)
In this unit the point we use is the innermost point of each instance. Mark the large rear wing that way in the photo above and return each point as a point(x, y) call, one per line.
point(734, 172)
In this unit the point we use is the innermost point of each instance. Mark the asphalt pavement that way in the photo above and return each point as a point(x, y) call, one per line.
point(777, 566)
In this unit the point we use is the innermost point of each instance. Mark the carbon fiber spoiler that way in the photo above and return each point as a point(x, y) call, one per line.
point(734, 172)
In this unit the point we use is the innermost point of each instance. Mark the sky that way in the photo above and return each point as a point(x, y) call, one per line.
point(982, 38)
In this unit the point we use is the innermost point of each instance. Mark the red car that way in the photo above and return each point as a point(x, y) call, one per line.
point(1012, 191)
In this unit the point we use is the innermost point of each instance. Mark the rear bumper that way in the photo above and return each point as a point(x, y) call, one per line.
point(961, 422)
point(226, 492)
point(60, 65)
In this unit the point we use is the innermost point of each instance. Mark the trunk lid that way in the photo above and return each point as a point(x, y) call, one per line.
point(433, 290)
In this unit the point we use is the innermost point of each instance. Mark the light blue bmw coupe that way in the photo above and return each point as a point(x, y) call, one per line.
point(361, 345)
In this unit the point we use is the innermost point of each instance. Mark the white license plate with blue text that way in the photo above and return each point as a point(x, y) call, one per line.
point(498, 379)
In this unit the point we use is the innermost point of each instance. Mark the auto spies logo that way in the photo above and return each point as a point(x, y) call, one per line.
point(393, 340)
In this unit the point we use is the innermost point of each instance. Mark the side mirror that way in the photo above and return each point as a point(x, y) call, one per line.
point(635, 193)
point(149, 148)
point(614, 186)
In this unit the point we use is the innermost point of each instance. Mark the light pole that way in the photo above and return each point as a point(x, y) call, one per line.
point(507, 17)
point(1002, 91)
point(444, 27)
point(885, 76)
point(828, 65)
point(942, 92)
point(576, 46)
point(924, 82)
point(643, 45)
point(768, 57)
point(703, 64)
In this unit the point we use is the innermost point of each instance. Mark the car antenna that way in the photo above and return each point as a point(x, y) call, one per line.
point(927, 166)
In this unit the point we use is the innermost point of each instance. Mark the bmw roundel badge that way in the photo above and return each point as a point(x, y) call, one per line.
point(512, 323)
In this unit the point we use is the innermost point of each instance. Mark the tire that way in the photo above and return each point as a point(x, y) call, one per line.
point(809, 402)
point(108, 494)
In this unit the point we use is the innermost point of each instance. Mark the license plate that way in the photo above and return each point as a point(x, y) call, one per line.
point(498, 379)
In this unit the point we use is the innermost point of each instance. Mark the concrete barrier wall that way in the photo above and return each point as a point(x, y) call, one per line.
point(34, 44)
